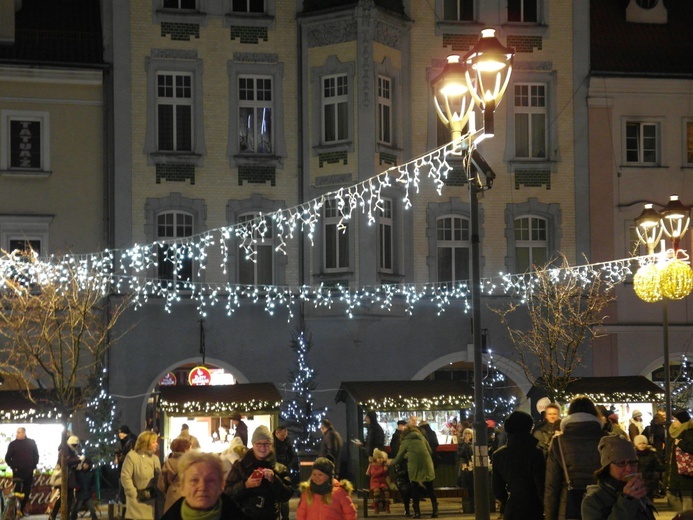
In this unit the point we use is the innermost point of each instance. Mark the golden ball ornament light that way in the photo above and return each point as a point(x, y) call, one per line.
point(676, 280)
point(646, 283)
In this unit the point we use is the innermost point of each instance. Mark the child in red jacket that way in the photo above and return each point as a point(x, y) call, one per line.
point(323, 497)
point(377, 470)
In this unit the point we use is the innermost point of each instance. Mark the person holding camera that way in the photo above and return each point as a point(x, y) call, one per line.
point(139, 476)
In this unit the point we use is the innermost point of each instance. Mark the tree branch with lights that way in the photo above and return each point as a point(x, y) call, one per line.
point(565, 309)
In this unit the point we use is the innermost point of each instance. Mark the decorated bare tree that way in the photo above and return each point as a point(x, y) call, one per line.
point(57, 323)
point(565, 307)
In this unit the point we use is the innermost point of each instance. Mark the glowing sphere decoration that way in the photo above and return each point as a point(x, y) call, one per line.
point(676, 280)
point(646, 283)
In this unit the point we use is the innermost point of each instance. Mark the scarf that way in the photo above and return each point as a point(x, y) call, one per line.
point(639, 425)
point(188, 513)
point(322, 489)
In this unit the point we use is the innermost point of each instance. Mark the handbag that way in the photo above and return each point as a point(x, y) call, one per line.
point(573, 496)
point(684, 462)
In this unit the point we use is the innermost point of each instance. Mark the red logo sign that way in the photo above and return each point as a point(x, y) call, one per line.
point(168, 380)
point(199, 376)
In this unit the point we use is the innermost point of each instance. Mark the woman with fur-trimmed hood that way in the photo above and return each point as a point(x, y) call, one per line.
point(323, 497)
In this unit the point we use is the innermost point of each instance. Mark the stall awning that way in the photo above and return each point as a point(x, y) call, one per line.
point(219, 400)
point(15, 406)
point(617, 389)
point(408, 395)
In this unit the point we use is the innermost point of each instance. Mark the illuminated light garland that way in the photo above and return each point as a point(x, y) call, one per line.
point(216, 407)
point(647, 282)
point(618, 397)
point(443, 402)
point(30, 415)
point(676, 279)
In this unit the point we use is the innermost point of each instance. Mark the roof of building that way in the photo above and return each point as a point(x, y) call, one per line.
point(621, 47)
point(407, 395)
point(620, 389)
point(56, 32)
point(219, 400)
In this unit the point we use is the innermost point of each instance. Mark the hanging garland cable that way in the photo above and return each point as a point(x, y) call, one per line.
point(129, 270)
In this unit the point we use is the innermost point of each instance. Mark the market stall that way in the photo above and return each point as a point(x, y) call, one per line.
point(620, 394)
point(435, 401)
point(43, 424)
point(207, 411)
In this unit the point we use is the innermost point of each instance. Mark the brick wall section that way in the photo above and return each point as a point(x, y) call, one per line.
point(175, 173)
point(256, 174)
point(180, 31)
point(249, 34)
point(456, 177)
point(388, 158)
point(525, 43)
point(332, 158)
point(460, 42)
point(533, 179)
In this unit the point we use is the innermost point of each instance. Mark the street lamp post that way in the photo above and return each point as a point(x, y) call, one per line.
point(479, 79)
point(673, 221)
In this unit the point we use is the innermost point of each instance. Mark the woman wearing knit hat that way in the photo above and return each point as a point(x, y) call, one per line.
point(680, 487)
point(323, 497)
point(649, 465)
point(257, 482)
point(620, 493)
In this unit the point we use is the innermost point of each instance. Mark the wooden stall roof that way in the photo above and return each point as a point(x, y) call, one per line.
point(618, 389)
point(407, 395)
point(219, 400)
point(15, 406)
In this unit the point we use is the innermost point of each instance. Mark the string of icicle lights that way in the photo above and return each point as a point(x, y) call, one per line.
point(131, 271)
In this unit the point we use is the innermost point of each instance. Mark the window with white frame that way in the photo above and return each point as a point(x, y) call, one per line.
point(255, 267)
point(453, 248)
point(174, 260)
point(642, 142)
point(336, 245)
point(24, 141)
point(24, 233)
point(384, 110)
point(530, 120)
point(523, 11)
point(385, 237)
point(180, 4)
point(255, 113)
point(531, 242)
point(248, 6)
point(335, 108)
point(174, 111)
point(458, 10)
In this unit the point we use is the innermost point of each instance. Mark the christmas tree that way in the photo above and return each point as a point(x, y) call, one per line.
point(300, 414)
point(499, 400)
point(100, 415)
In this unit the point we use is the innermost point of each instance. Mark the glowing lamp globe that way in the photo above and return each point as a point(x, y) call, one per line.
point(646, 283)
point(676, 279)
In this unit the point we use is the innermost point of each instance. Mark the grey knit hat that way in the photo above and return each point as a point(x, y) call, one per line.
point(324, 465)
point(613, 448)
point(261, 433)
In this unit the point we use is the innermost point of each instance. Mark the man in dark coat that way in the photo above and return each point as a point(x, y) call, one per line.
point(375, 438)
point(331, 444)
point(23, 456)
point(576, 451)
point(240, 427)
point(680, 487)
point(545, 430)
point(519, 469)
point(126, 442)
point(397, 438)
point(286, 455)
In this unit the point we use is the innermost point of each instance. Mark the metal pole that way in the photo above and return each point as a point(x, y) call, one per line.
point(667, 374)
point(481, 476)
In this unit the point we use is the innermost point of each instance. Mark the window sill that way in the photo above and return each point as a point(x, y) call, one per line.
point(175, 158)
point(180, 16)
point(26, 174)
point(532, 164)
point(458, 27)
point(343, 146)
point(643, 166)
point(525, 29)
point(388, 148)
point(249, 20)
point(255, 159)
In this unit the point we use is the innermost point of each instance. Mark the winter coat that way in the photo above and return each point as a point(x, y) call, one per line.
point(331, 445)
point(580, 437)
point(286, 455)
point(123, 447)
point(262, 502)
point(418, 454)
point(378, 474)
point(676, 482)
point(519, 469)
point(242, 432)
point(229, 510)
point(340, 508)
point(650, 468)
point(604, 501)
point(375, 438)
point(465, 465)
point(395, 441)
point(635, 428)
point(432, 439)
point(168, 482)
point(544, 433)
point(22, 456)
point(194, 443)
point(140, 471)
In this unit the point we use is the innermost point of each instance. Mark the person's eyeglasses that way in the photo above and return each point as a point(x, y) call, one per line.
point(624, 463)
point(264, 445)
